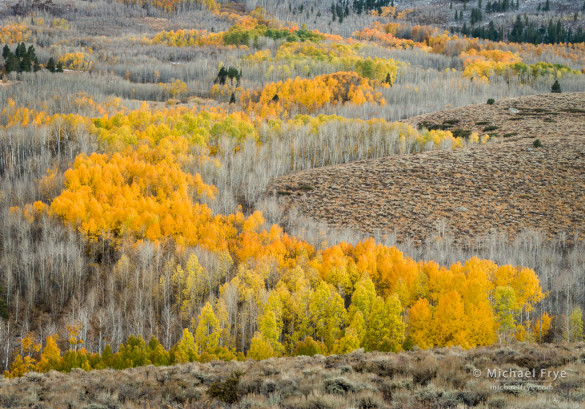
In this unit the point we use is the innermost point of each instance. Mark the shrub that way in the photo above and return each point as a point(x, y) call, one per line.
point(461, 133)
point(309, 346)
point(424, 371)
point(226, 391)
point(339, 386)
point(314, 402)
point(556, 88)
point(537, 143)
point(368, 401)
point(497, 402)
point(491, 101)
point(472, 398)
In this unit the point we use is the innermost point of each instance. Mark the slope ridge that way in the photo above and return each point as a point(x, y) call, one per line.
point(507, 187)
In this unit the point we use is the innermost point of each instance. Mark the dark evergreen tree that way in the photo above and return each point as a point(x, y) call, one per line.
point(3, 305)
point(51, 65)
point(476, 16)
point(221, 76)
point(6, 52)
point(556, 88)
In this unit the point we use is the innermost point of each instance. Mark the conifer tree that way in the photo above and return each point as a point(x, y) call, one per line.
point(556, 87)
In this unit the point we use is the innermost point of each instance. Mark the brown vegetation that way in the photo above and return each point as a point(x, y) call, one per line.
point(514, 118)
point(506, 187)
point(438, 378)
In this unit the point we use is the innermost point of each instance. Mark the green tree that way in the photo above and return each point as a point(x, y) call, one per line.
point(185, 350)
point(208, 331)
point(134, 353)
point(504, 304)
point(327, 313)
point(3, 305)
point(51, 65)
point(354, 335)
point(556, 88)
point(575, 330)
point(385, 328)
point(309, 347)
point(108, 356)
point(362, 298)
point(260, 348)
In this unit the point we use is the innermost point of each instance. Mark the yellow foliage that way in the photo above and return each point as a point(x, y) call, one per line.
point(14, 33)
point(307, 95)
point(78, 61)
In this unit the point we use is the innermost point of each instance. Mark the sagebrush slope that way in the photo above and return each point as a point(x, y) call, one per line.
point(507, 187)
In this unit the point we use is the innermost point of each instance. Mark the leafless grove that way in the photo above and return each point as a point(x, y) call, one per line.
point(50, 276)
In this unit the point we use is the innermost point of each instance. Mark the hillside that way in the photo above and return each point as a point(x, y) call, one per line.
point(438, 378)
point(508, 186)
point(143, 263)
point(513, 118)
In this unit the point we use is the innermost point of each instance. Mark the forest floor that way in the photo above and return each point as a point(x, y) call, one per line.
point(507, 185)
point(438, 378)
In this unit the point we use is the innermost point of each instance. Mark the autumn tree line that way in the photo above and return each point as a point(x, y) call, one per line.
point(129, 232)
point(219, 286)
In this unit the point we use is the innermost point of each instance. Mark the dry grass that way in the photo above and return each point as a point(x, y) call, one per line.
point(439, 378)
point(506, 187)
point(531, 116)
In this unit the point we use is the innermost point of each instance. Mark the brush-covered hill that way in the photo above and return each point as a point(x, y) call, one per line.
point(508, 185)
point(438, 378)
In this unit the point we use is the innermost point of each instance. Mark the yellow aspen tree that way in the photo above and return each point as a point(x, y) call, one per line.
point(482, 324)
point(208, 330)
point(362, 298)
point(420, 319)
point(385, 329)
point(50, 357)
point(575, 330)
point(327, 313)
point(354, 335)
point(260, 348)
point(186, 349)
point(449, 321)
point(268, 329)
point(541, 328)
point(504, 306)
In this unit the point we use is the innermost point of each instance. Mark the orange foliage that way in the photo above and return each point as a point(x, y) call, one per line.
point(308, 95)
point(14, 33)
point(138, 194)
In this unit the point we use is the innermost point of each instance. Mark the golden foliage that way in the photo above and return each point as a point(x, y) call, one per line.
point(307, 95)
